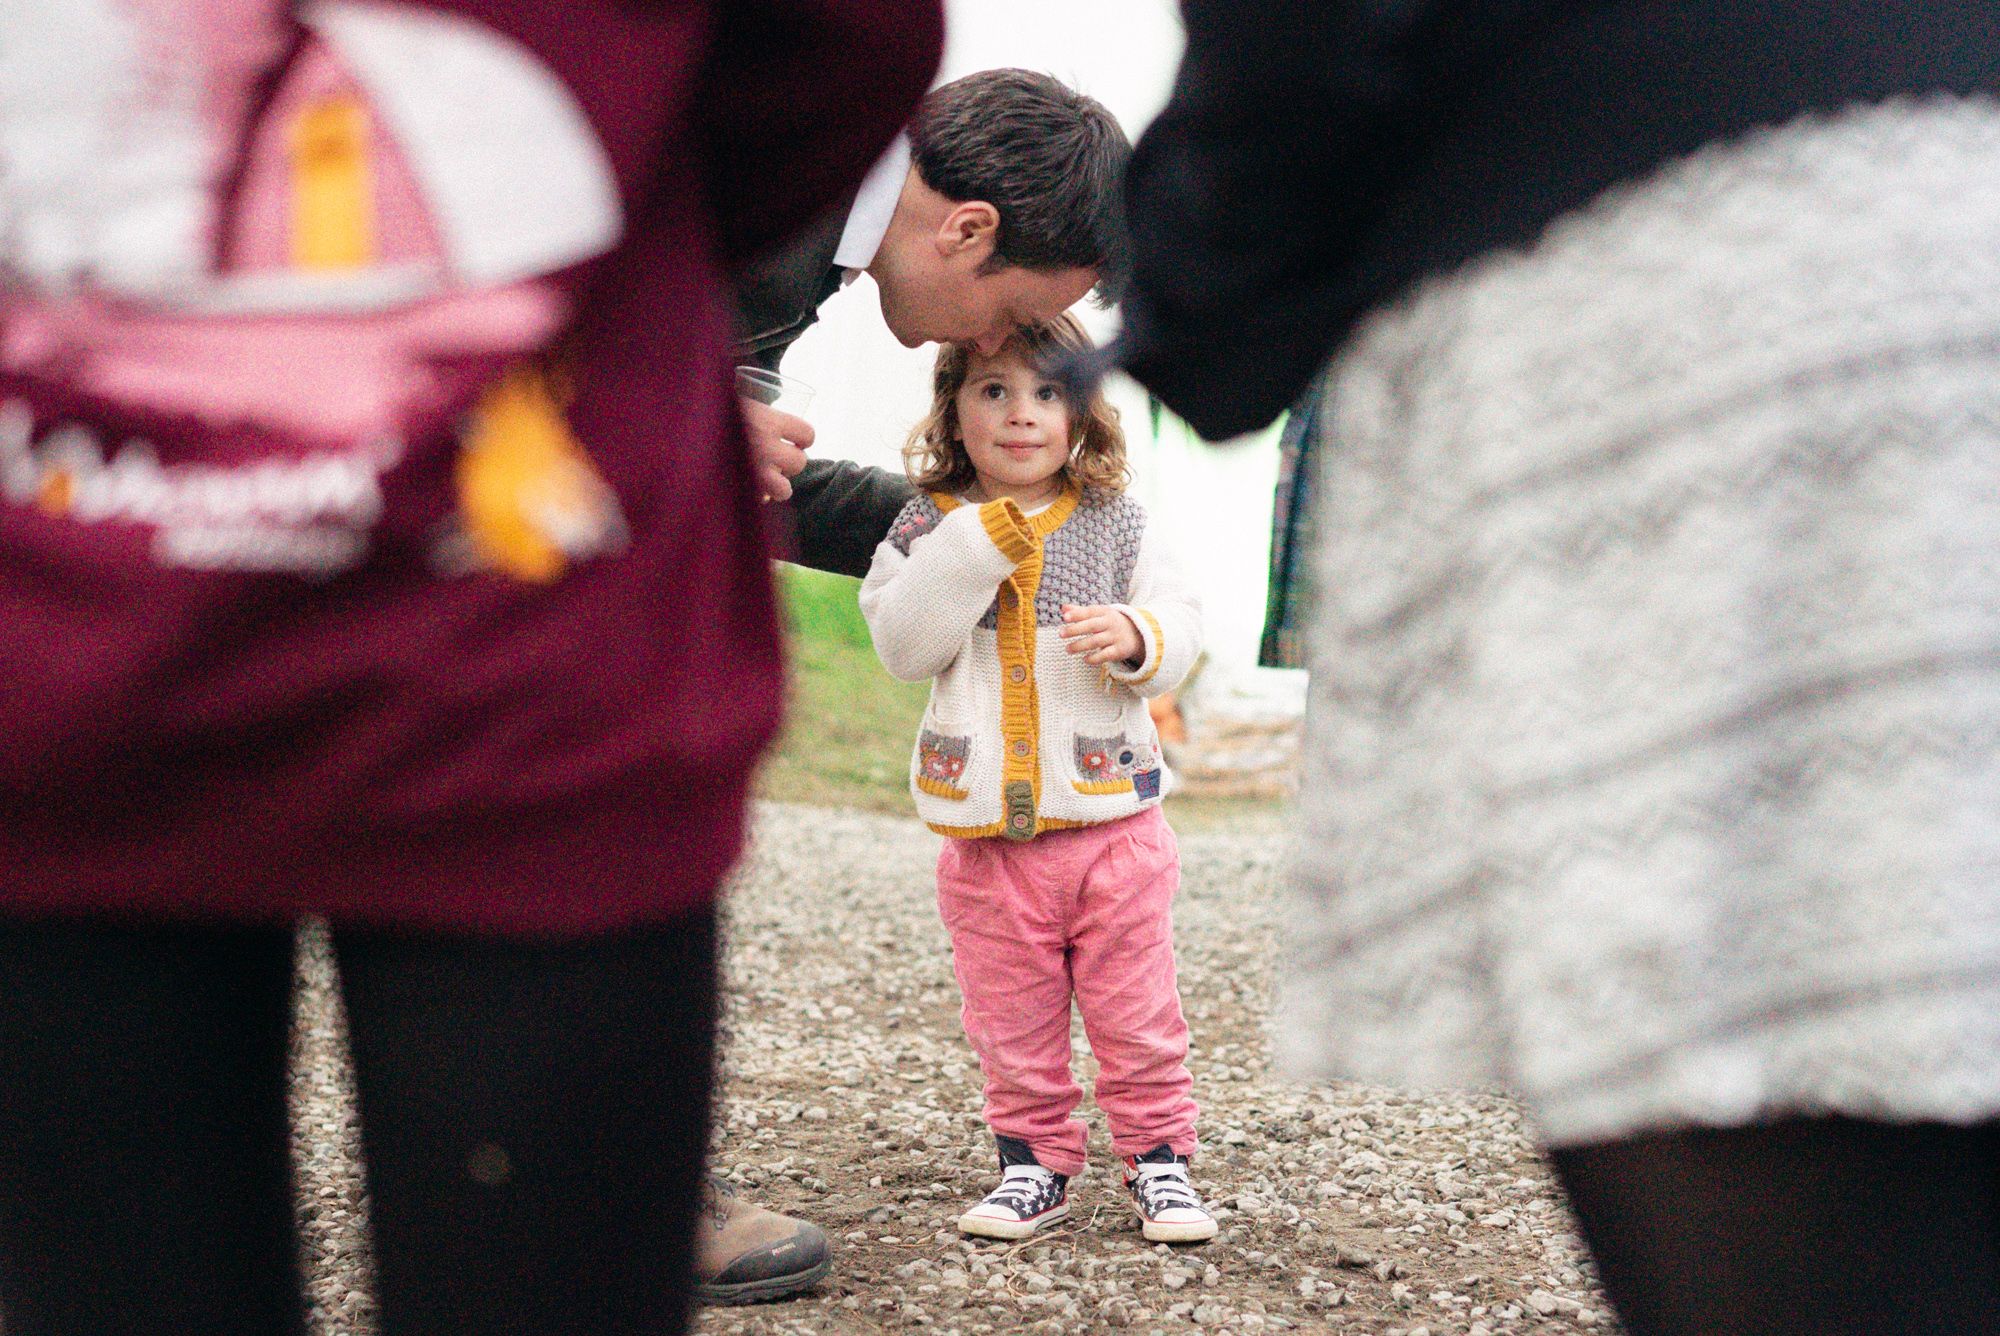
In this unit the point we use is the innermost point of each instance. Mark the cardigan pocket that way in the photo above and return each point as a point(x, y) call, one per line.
point(1102, 754)
point(942, 760)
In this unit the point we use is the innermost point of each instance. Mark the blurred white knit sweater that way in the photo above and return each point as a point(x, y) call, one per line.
point(1021, 736)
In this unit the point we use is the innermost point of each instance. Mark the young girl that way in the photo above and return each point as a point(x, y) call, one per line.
point(1036, 595)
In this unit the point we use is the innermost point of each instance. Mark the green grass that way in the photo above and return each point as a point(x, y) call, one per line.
point(824, 609)
point(850, 727)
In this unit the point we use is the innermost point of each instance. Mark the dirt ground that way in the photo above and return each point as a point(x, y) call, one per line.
point(853, 1101)
point(850, 1098)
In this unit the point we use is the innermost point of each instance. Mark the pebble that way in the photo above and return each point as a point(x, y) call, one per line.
point(864, 1118)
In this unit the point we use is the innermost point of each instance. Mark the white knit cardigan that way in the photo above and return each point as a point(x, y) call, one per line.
point(1020, 735)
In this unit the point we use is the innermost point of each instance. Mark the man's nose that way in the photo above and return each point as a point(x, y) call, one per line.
point(990, 343)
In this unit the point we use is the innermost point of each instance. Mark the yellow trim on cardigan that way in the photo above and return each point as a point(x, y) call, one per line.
point(1042, 523)
point(991, 829)
point(1051, 517)
point(1096, 787)
point(1020, 699)
point(937, 788)
point(1159, 650)
point(1014, 636)
point(1014, 639)
point(1008, 528)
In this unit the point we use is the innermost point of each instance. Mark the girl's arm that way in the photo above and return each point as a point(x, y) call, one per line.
point(924, 595)
point(1165, 608)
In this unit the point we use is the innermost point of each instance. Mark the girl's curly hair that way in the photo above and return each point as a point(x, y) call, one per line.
point(935, 457)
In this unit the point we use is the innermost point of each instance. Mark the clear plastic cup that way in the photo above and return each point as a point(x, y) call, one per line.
point(768, 387)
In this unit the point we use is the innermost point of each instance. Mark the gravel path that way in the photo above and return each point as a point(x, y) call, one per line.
point(852, 1099)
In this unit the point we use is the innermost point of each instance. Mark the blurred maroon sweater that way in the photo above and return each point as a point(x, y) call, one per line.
point(266, 278)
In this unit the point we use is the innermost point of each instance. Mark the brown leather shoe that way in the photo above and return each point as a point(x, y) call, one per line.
point(745, 1254)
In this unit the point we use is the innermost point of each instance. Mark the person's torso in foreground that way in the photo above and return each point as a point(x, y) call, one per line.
point(330, 585)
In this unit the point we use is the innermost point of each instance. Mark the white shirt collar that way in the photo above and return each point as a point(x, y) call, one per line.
point(868, 220)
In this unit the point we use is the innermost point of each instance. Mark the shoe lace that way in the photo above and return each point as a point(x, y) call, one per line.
point(1164, 1186)
point(716, 1196)
point(1023, 1187)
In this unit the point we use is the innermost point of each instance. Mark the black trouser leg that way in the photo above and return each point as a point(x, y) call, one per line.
point(534, 1120)
point(145, 1172)
point(1819, 1227)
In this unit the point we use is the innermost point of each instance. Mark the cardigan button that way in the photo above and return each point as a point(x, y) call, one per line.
point(1019, 797)
point(1020, 746)
point(1017, 674)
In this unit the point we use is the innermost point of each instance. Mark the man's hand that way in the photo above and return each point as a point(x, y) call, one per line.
point(778, 444)
point(1102, 635)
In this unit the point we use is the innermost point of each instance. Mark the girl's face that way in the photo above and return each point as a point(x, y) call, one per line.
point(1015, 426)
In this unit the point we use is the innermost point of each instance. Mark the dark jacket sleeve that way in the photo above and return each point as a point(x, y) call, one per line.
point(778, 295)
point(1317, 157)
point(1287, 131)
point(841, 511)
point(798, 99)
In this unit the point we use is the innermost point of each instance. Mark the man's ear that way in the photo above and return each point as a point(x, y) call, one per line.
point(969, 232)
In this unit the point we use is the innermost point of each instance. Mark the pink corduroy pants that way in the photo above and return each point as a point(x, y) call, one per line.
point(1083, 914)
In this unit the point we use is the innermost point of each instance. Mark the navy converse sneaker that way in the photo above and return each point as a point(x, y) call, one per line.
point(1170, 1211)
point(1028, 1200)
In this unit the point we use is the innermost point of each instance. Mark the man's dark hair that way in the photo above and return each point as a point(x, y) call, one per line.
point(1051, 160)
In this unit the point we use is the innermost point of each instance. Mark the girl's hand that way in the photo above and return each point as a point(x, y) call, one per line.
point(1101, 635)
